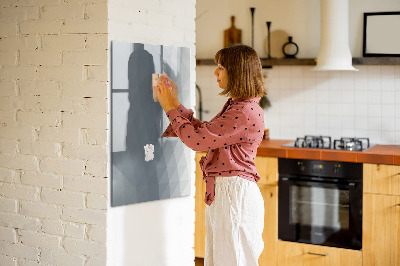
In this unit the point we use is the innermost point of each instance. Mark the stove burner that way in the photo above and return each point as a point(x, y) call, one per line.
point(324, 142)
point(308, 141)
point(351, 144)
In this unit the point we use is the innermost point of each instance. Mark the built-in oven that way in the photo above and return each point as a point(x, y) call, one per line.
point(320, 202)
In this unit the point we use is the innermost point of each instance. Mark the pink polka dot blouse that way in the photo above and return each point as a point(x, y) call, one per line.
point(231, 139)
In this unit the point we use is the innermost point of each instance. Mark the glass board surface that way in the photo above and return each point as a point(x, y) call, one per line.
point(146, 167)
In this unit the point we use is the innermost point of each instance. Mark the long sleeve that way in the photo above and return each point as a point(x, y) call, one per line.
point(231, 138)
point(222, 131)
point(186, 113)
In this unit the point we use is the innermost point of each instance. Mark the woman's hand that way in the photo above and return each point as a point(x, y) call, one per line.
point(174, 90)
point(164, 94)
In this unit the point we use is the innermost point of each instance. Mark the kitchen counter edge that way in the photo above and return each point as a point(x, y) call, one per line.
point(379, 154)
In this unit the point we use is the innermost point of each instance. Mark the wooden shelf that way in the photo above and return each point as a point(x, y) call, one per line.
point(312, 61)
point(288, 62)
point(267, 63)
point(376, 61)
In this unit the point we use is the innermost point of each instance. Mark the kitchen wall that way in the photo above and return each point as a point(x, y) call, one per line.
point(297, 18)
point(339, 104)
point(53, 122)
point(158, 232)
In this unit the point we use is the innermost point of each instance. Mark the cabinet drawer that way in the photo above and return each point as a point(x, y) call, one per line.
point(294, 254)
point(381, 179)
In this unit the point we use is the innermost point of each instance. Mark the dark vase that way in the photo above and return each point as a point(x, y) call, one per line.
point(290, 49)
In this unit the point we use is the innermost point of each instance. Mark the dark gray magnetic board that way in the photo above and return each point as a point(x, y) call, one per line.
point(138, 122)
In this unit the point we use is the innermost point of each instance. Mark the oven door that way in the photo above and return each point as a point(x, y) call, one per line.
point(321, 212)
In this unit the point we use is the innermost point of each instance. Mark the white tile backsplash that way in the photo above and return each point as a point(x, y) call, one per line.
point(360, 97)
point(360, 124)
point(322, 109)
point(374, 97)
point(347, 110)
point(322, 95)
point(374, 110)
point(374, 83)
point(387, 110)
point(364, 103)
point(388, 97)
point(361, 110)
point(388, 83)
point(397, 123)
point(387, 71)
point(387, 124)
point(348, 96)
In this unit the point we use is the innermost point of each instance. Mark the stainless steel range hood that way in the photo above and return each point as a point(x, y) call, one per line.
point(334, 52)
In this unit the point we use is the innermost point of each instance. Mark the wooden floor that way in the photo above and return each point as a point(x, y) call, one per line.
point(199, 262)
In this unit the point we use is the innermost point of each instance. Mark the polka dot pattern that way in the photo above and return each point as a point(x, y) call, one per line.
point(231, 139)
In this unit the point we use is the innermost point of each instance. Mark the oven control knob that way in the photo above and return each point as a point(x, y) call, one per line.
point(336, 169)
point(302, 167)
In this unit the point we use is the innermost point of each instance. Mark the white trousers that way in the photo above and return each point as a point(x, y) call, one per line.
point(234, 223)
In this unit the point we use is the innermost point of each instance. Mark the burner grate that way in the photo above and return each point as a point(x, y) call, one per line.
point(351, 144)
point(321, 142)
point(324, 142)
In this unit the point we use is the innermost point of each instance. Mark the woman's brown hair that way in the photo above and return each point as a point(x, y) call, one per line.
point(245, 78)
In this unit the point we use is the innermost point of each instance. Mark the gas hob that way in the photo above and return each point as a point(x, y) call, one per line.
point(325, 142)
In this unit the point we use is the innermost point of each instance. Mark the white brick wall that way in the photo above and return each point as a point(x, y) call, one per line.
point(53, 126)
point(8, 234)
point(53, 122)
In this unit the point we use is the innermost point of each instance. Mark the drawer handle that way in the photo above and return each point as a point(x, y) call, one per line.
point(318, 254)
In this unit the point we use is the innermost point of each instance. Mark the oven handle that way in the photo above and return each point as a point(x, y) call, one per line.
point(297, 181)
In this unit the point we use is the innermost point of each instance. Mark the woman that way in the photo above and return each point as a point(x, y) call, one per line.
point(235, 207)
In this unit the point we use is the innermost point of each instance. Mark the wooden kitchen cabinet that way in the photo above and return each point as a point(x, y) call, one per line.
point(270, 233)
point(381, 179)
point(200, 207)
point(381, 215)
point(298, 254)
point(381, 230)
point(267, 168)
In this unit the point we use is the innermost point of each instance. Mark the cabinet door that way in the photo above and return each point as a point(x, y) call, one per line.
point(267, 168)
point(270, 233)
point(381, 230)
point(200, 207)
point(297, 254)
point(381, 179)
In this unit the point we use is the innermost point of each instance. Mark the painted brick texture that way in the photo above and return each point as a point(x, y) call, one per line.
point(53, 132)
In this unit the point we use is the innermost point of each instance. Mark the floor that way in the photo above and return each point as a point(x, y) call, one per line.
point(199, 262)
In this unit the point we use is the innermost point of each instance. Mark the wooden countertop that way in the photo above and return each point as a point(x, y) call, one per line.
point(379, 154)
